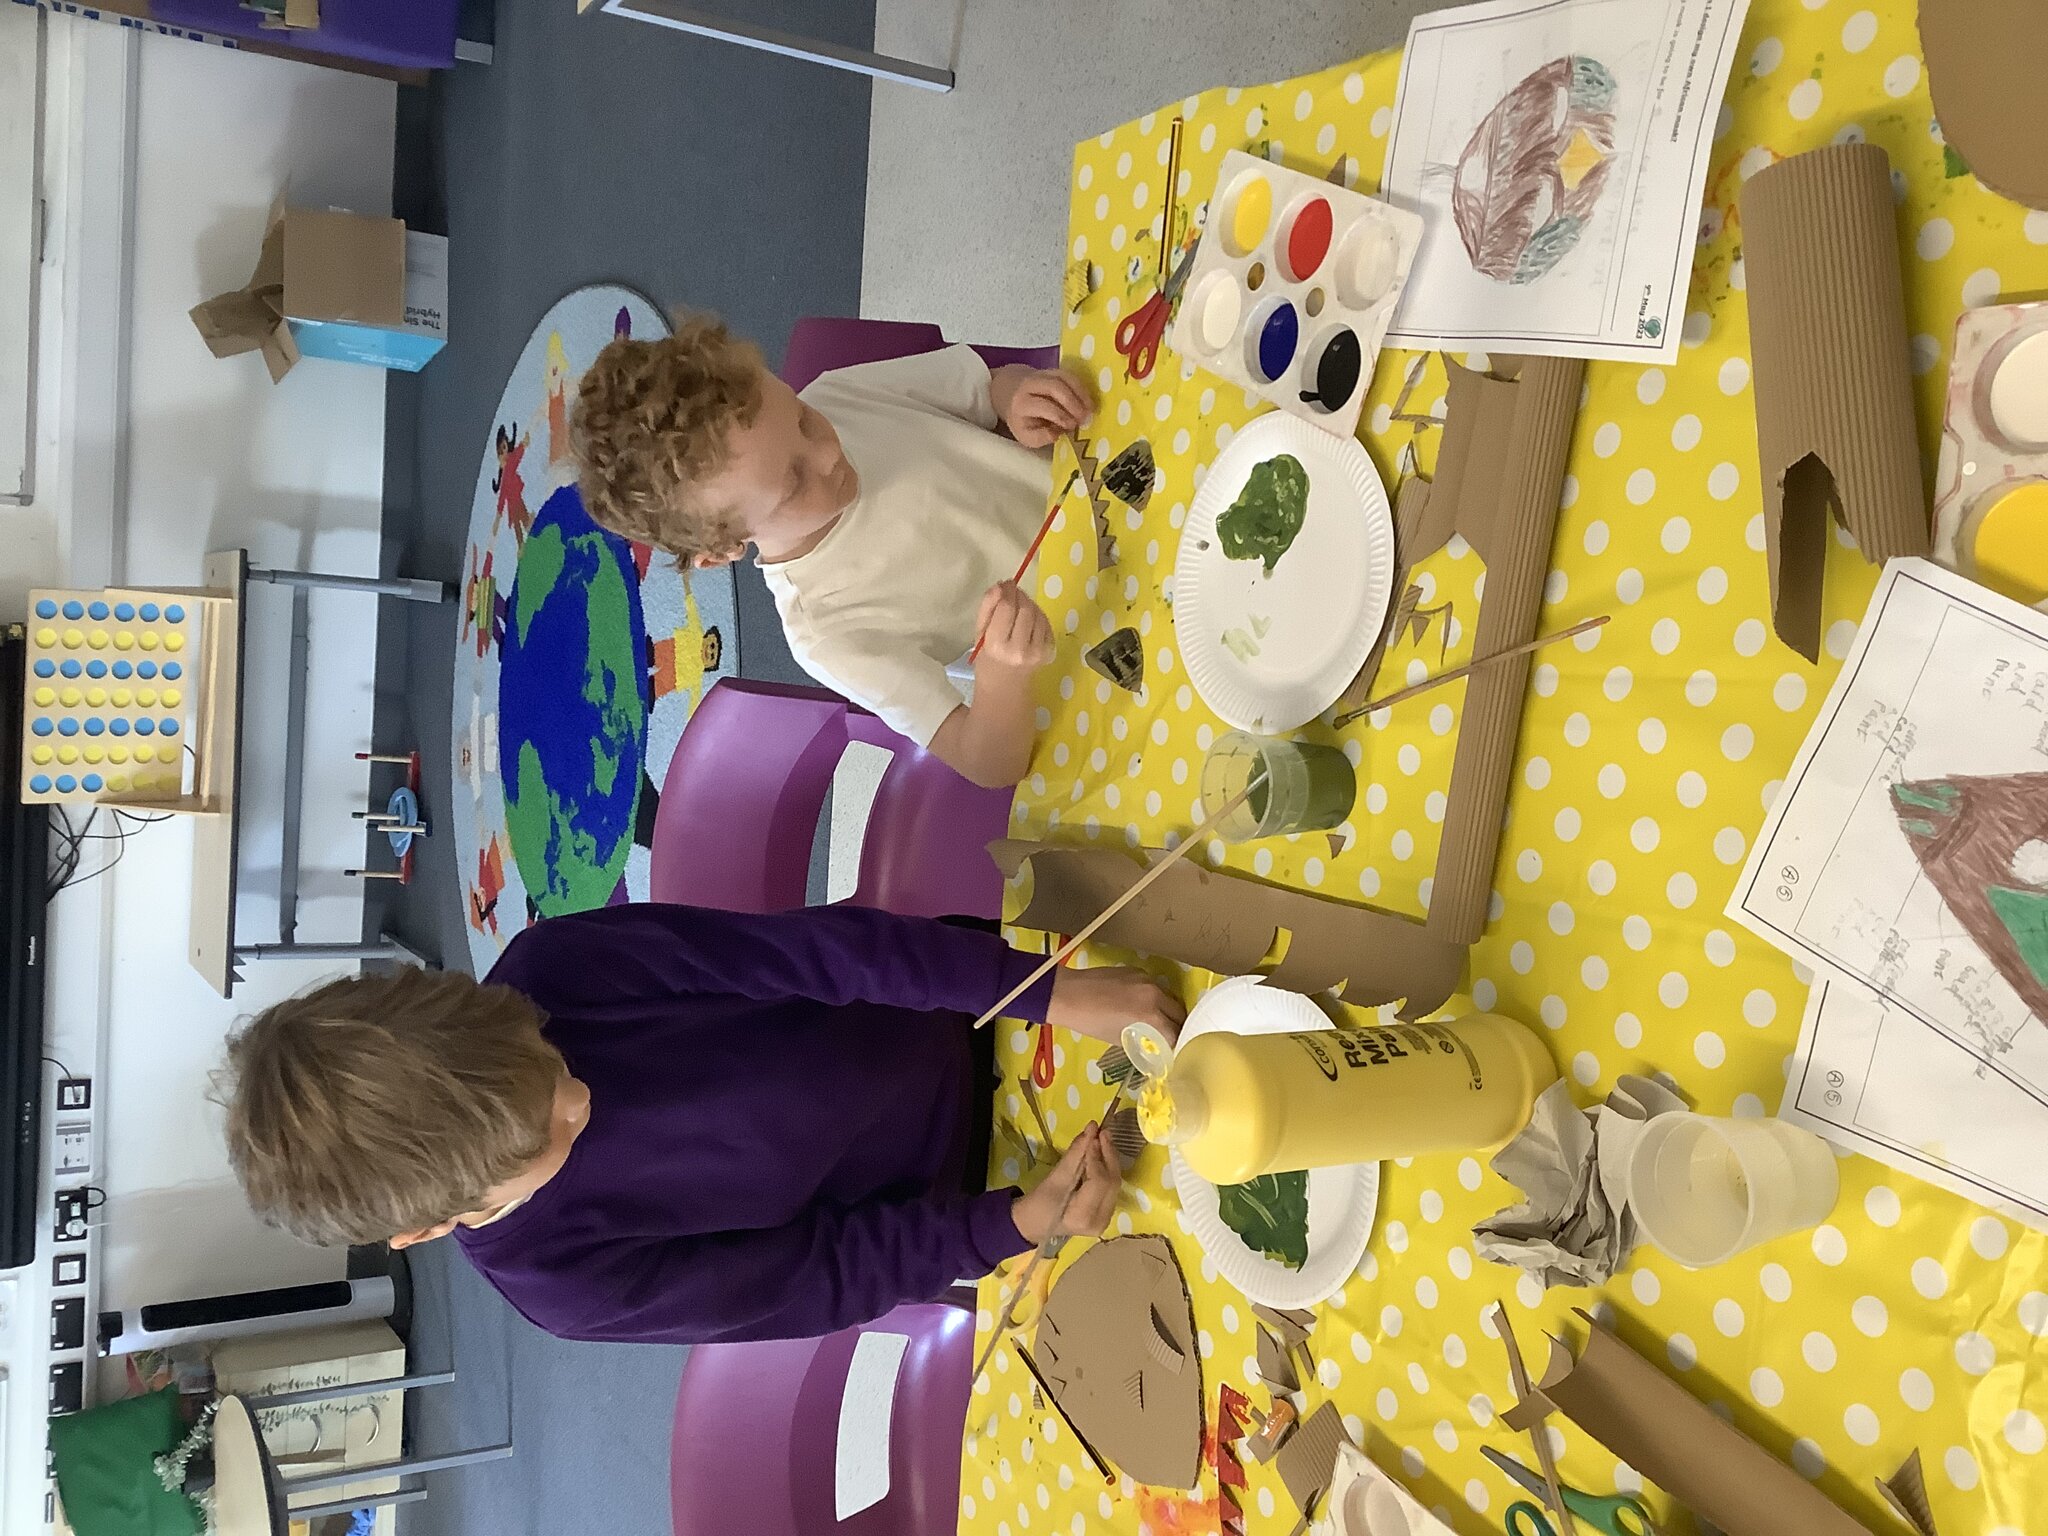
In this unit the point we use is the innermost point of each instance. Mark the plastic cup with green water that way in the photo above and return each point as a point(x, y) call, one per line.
point(1307, 787)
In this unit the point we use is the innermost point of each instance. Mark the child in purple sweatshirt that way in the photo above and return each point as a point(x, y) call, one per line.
point(673, 1124)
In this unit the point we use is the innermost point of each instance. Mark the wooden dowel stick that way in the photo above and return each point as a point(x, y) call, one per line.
point(1172, 858)
point(1054, 1403)
point(1475, 665)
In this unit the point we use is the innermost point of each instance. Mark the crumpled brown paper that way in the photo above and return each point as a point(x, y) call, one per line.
point(1573, 1226)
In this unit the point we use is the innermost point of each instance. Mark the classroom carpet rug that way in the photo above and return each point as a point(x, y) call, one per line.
point(579, 656)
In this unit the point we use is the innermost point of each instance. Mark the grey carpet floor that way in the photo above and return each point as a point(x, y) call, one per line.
point(591, 149)
point(597, 149)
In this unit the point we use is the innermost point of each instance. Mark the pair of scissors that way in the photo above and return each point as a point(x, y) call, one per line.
point(1618, 1515)
point(1139, 333)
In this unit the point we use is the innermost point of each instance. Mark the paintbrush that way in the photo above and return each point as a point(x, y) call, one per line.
point(1031, 552)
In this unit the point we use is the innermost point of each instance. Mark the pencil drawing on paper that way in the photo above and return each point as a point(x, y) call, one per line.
point(1532, 175)
point(1983, 844)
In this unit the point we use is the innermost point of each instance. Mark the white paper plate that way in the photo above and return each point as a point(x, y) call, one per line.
point(1325, 600)
point(1342, 1202)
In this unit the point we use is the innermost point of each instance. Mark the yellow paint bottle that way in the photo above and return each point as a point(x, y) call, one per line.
point(1239, 1106)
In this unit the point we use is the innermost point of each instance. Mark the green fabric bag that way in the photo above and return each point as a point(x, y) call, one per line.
point(106, 1468)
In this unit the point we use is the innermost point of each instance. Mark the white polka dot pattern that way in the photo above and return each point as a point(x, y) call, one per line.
point(1646, 754)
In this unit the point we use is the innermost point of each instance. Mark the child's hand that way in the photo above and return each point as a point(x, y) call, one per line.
point(1015, 633)
point(1078, 1197)
point(1100, 1000)
point(1038, 406)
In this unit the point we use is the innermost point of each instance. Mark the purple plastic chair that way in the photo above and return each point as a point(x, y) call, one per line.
point(744, 790)
point(403, 34)
point(757, 1432)
point(818, 345)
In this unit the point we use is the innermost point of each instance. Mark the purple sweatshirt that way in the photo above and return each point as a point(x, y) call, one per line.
point(779, 1116)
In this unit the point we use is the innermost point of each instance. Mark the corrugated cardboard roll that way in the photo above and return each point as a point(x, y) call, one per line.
point(1832, 373)
point(1984, 70)
point(1678, 1442)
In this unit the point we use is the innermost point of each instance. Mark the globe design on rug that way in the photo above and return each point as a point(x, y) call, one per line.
point(572, 724)
point(579, 657)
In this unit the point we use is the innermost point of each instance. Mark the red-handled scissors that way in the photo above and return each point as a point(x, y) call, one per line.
point(1041, 1059)
point(1139, 333)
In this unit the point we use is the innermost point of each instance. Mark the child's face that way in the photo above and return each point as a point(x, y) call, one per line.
point(785, 477)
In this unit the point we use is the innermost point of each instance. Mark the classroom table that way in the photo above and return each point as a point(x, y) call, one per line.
point(1648, 752)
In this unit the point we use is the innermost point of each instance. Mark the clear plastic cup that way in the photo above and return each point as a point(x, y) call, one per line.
point(1703, 1189)
point(1307, 787)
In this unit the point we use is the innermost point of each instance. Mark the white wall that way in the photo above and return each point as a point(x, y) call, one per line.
point(166, 155)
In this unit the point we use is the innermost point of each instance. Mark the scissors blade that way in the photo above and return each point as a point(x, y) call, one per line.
point(1179, 277)
point(1528, 1481)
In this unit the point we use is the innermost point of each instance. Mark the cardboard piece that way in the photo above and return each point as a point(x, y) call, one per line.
point(1276, 1369)
point(1120, 657)
point(1291, 1325)
point(1983, 68)
point(1308, 1461)
point(1273, 1430)
point(1832, 373)
point(1228, 923)
point(1499, 480)
point(335, 285)
point(1906, 1492)
point(1116, 1352)
point(1675, 1441)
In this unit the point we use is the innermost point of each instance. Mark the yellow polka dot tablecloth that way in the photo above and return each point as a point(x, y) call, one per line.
point(1648, 752)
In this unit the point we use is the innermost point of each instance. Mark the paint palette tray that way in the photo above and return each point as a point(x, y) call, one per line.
point(113, 678)
point(1295, 284)
point(1991, 488)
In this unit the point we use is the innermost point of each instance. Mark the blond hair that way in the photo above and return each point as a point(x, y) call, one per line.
point(653, 421)
point(386, 1104)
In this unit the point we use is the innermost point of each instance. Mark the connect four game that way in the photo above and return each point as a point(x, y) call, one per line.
point(112, 684)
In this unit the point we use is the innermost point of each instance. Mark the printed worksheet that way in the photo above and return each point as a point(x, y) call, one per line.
point(1879, 1082)
point(1557, 152)
point(1908, 849)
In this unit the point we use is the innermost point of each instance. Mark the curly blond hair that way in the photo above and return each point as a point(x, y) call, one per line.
point(652, 422)
point(385, 1104)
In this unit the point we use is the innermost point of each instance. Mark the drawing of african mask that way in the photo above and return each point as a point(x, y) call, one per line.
point(1532, 173)
point(1983, 843)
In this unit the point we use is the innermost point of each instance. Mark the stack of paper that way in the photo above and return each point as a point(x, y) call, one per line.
point(1906, 863)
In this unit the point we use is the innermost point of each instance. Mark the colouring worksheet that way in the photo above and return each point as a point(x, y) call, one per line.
point(1908, 848)
point(1557, 152)
point(1878, 1081)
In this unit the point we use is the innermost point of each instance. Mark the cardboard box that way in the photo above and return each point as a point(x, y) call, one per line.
point(336, 285)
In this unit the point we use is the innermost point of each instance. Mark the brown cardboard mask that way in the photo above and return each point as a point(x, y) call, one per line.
point(1226, 923)
point(1116, 1349)
point(1832, 373)
point(1984, 62)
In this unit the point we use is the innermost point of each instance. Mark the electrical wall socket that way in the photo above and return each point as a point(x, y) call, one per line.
point(74, 1093)
point(69, 1215)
